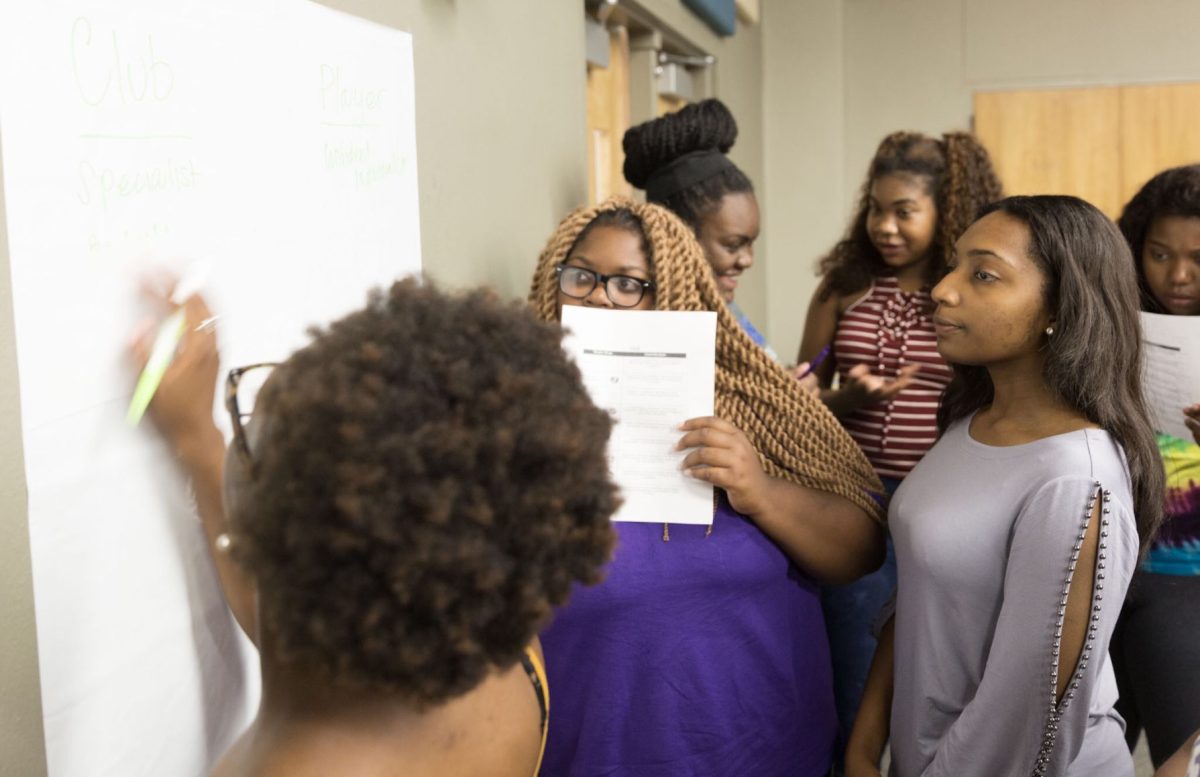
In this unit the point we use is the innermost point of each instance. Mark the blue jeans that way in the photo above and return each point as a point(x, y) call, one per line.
point(850, 611)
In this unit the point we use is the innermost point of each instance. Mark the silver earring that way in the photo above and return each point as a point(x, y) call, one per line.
point(223, 542)
point(1049, 331)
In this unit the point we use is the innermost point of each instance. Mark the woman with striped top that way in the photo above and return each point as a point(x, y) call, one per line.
point(871, 313)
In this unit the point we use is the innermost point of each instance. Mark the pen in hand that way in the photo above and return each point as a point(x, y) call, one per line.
point(170, 333)
point(816, 362)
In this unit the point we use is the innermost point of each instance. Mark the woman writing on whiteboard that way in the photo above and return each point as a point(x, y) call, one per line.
point(1156, 648)
point(406, 498)
point(704, 650)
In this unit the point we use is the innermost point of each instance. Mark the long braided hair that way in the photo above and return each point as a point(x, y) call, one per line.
point(796, 436)
point(959, 176)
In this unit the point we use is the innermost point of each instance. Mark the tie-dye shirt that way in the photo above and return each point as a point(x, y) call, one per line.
point(1176, 550)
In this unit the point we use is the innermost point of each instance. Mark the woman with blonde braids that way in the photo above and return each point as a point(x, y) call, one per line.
point(872, 314)
point(703, 652)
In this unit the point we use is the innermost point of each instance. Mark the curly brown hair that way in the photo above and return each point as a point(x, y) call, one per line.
point(429, 479)
point(796, 436)
point(1173, 192)
point(958, 173)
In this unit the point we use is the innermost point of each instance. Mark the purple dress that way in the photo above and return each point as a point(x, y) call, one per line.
point(697, 656)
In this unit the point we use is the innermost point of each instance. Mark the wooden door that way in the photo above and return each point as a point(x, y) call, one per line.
point(1160, 128)
point(1054, 141)
point(607, 119)
point(1098, 143)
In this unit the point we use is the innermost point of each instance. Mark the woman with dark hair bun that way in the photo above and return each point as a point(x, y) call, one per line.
point(681, 160)
point(1019, 531)
point(1156, 648)
point(406, 498)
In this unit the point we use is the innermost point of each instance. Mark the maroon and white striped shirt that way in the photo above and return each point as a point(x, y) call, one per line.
point(886, 330)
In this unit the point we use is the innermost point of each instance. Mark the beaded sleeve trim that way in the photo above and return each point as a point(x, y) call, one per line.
point(1056, 708)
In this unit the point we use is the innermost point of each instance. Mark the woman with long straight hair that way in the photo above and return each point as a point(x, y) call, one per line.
point(1018, 533)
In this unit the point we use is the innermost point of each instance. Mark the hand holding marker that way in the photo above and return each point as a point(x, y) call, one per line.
point(803, 373)
point(170, 332)
point(816, 362)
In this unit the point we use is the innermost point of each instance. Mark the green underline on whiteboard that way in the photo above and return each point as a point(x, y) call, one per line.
point(100, 136)
point(347, 124)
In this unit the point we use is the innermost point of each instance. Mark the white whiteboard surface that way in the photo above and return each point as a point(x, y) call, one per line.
point(271, 139)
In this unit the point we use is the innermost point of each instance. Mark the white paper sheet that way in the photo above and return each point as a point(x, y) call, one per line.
point(652, 370)
point(1172, 369)
point(274, 139)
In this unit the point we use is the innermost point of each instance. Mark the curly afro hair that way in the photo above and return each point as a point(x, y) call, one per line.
point(956, 171)
point(701, 126)
point(1174, 192)
point(429, 480)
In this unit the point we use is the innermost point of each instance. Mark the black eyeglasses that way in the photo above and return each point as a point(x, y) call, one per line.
point(241, 394)
point(622, 290)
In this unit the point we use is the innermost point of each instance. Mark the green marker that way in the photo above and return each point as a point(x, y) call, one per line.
point(161, 355)
point(170, 332)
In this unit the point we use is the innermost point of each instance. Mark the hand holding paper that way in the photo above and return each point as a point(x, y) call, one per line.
point(651, 370)
point(1192, 421)
point(722, 455)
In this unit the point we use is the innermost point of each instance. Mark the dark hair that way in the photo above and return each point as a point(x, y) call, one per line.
point(1094, 360)
point(1174, 192)
point(429, 481)
point(958, 174)
point(619, 218)
point(703, 126)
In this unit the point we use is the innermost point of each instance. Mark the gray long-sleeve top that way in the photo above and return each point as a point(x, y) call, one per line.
point(985, 543)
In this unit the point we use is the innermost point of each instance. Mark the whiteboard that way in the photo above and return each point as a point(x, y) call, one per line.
point(273, 140)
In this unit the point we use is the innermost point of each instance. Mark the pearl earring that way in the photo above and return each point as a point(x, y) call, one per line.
point(1049, 331)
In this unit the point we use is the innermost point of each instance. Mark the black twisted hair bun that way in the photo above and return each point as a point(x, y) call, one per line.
point(703, 126)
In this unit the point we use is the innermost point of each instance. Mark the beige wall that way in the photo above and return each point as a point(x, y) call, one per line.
point(21, 749)
point(841, 74)
point(500, 129)
point(739, 75)
point(804, 133)
point(501, 137)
